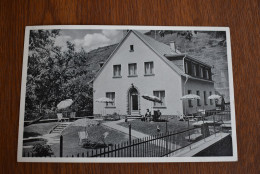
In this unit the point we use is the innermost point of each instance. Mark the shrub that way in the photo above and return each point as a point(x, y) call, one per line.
point(41, 150)
point(113, 117)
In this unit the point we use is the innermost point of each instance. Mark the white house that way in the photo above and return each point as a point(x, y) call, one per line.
point(141, 65)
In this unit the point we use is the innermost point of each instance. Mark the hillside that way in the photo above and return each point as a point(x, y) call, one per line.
point(209, 47)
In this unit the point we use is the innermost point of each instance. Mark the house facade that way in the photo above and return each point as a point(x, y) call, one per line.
point(141, 65)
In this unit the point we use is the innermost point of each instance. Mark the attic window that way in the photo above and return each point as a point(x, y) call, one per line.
point(101, 64)
point(131, 48)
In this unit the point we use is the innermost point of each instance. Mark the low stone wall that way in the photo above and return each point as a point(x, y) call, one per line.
point(221, 148)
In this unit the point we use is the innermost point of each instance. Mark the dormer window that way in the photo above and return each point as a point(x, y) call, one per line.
point(201, 72)
point(131, 48)
point(207, 74)
point(101, 64)
point(196, 69)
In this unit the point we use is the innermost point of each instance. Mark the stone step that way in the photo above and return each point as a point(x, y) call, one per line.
point(59, 128)
point(134, 116)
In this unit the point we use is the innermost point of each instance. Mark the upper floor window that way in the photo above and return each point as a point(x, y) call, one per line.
point(117, 71)
point(201, 72)
point(194, 71)
point(132, 68)
point(197, 70)
point(101, 64)
point(131, 48)
point(148, 68)
point(110, 95)
point(186, 67)
point(207, 74)
point(160, 95)
point(189, 101)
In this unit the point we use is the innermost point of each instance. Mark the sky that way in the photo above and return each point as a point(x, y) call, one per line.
point(89, 39)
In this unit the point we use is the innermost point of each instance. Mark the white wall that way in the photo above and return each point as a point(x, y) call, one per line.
point(194, 86)
point(164, 79)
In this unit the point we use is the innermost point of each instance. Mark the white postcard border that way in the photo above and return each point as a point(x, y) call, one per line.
point(20, 158)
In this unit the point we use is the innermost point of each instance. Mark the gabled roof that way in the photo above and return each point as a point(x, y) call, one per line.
point(159, 48)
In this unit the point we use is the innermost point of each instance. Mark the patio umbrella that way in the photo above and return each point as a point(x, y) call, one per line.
point(190, 97)
point(65, 104)
point(214, 97)
point(152, 98)
point(104, 100)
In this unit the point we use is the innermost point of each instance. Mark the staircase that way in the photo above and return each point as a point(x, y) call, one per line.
point(137, 116)
point(60, 127)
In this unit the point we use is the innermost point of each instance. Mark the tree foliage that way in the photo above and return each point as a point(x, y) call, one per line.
point(54, 75)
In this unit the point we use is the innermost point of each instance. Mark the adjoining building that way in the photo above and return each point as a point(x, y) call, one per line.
point(141, 65)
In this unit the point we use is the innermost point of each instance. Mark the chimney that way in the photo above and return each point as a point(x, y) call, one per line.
point(173, 46)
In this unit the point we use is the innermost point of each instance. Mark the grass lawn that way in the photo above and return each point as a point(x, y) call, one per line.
point(38, 129)
point(71, 139)
point(150, 128)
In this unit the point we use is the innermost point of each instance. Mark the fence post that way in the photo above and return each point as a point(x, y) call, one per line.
point(166, 126)
point(167, 143)
point(61, 146)
point(214, 123)
point(130, 138)
point(189, 128)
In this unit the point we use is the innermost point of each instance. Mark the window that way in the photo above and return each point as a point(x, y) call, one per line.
point(210, 101)
point(189, 101)
point(201, 72)
point(197, 70)
point(131, 48)
point(160, 95)
point(101, 64)
point(132, 69)
point(206, 73)
point(186, 67)
point(110, 95)
point(205, 98)
point(117, 71)
point(194, 70)
point(198, 100)
point(148, 68)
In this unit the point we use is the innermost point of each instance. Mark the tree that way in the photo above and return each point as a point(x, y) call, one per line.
point(54, 75)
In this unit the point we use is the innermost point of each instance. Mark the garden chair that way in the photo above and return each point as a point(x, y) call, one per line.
point(72, 115)
point(182, 117)
point(83, 137)
point(156, 116)
point(59, 116)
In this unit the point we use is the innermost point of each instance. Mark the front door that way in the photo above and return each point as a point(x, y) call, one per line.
point(134, 102)
point(134, 106)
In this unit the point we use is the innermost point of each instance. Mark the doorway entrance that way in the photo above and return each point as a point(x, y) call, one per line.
point(133, 101)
